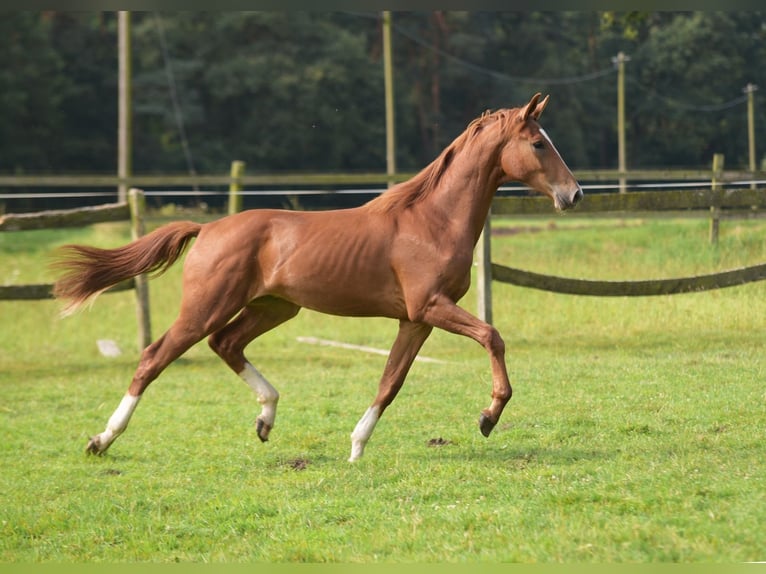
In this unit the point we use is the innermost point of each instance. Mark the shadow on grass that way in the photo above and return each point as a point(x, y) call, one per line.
point(39, 371)
point(519, 457)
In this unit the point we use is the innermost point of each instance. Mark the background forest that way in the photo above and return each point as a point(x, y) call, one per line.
point(300, 91)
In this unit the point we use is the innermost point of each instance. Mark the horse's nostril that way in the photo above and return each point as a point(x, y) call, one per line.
point(577, 196)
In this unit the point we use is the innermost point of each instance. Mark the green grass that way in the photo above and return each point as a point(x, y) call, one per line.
point(635, 433)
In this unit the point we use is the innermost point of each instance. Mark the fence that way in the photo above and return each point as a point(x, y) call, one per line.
point(237, 180)
point(133, 210)
point(715, 202)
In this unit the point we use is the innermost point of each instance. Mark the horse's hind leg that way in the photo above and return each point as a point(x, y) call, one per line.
point(153, 361)
point(191, 326)
point(229, 343)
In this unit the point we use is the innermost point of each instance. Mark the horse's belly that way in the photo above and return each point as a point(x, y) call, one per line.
point(339, 278)
point(353, 307)
point(350, 294)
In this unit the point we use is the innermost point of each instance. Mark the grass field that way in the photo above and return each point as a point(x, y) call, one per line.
point(635, 433)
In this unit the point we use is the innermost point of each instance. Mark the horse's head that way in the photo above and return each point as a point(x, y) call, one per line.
point(530, 157)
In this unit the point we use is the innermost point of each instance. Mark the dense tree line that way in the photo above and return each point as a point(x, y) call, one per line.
point(301, 91)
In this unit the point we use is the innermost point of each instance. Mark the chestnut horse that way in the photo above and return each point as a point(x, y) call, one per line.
point(406, 254)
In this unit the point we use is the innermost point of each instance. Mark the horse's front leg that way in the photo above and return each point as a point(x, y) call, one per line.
point(115, 426)
point(443, 313)
point(409, 340)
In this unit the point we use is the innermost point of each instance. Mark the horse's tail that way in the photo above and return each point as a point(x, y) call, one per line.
point(89, 270)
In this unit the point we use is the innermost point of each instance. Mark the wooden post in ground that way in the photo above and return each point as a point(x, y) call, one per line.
point(619, 61)
point(125, 106)
point(137, 203)
point(750, 91)
point(235, 198)
point(715, 207)
point(484, 273)
point(388, 81)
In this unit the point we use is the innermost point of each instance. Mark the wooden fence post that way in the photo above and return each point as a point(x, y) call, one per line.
point(484, 273)
point(137, 202)
point(716, 196)
point(235, 198)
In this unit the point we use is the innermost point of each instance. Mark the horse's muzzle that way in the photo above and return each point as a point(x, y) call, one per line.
point(577, 196)
point(564, 201)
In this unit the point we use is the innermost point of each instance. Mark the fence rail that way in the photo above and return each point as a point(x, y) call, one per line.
point(133, 210)
point(639, 202)
point(65, 217)
point(340, 179)
point(643, 288)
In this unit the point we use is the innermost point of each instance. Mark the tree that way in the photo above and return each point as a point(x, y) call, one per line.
point(86, 92)
point(283, 90)
point(687, 79)
point(31, 91)
point(303, 91)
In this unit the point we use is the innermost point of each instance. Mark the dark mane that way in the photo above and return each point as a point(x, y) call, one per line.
point(419, 186)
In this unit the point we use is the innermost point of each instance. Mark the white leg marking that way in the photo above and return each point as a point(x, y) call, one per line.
point(267, 395)
point(362, 432)
point(118, 422)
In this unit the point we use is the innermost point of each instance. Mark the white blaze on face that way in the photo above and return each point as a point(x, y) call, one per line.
point(556, 191)
point(550, 143)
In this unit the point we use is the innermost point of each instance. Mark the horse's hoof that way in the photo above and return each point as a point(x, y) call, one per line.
point(262, 429)
point(94, 446)
point(485, 425)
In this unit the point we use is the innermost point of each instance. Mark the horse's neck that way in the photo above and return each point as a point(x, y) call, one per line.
point(465, 192)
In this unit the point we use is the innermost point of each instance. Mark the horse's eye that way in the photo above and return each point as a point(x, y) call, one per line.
point(538, 144)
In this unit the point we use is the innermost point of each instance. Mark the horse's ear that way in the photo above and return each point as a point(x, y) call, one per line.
point(530, 108)
point(540, 107)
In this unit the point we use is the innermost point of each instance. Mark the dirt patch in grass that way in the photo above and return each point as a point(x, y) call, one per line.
point(298, 463)
point(439, 442)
